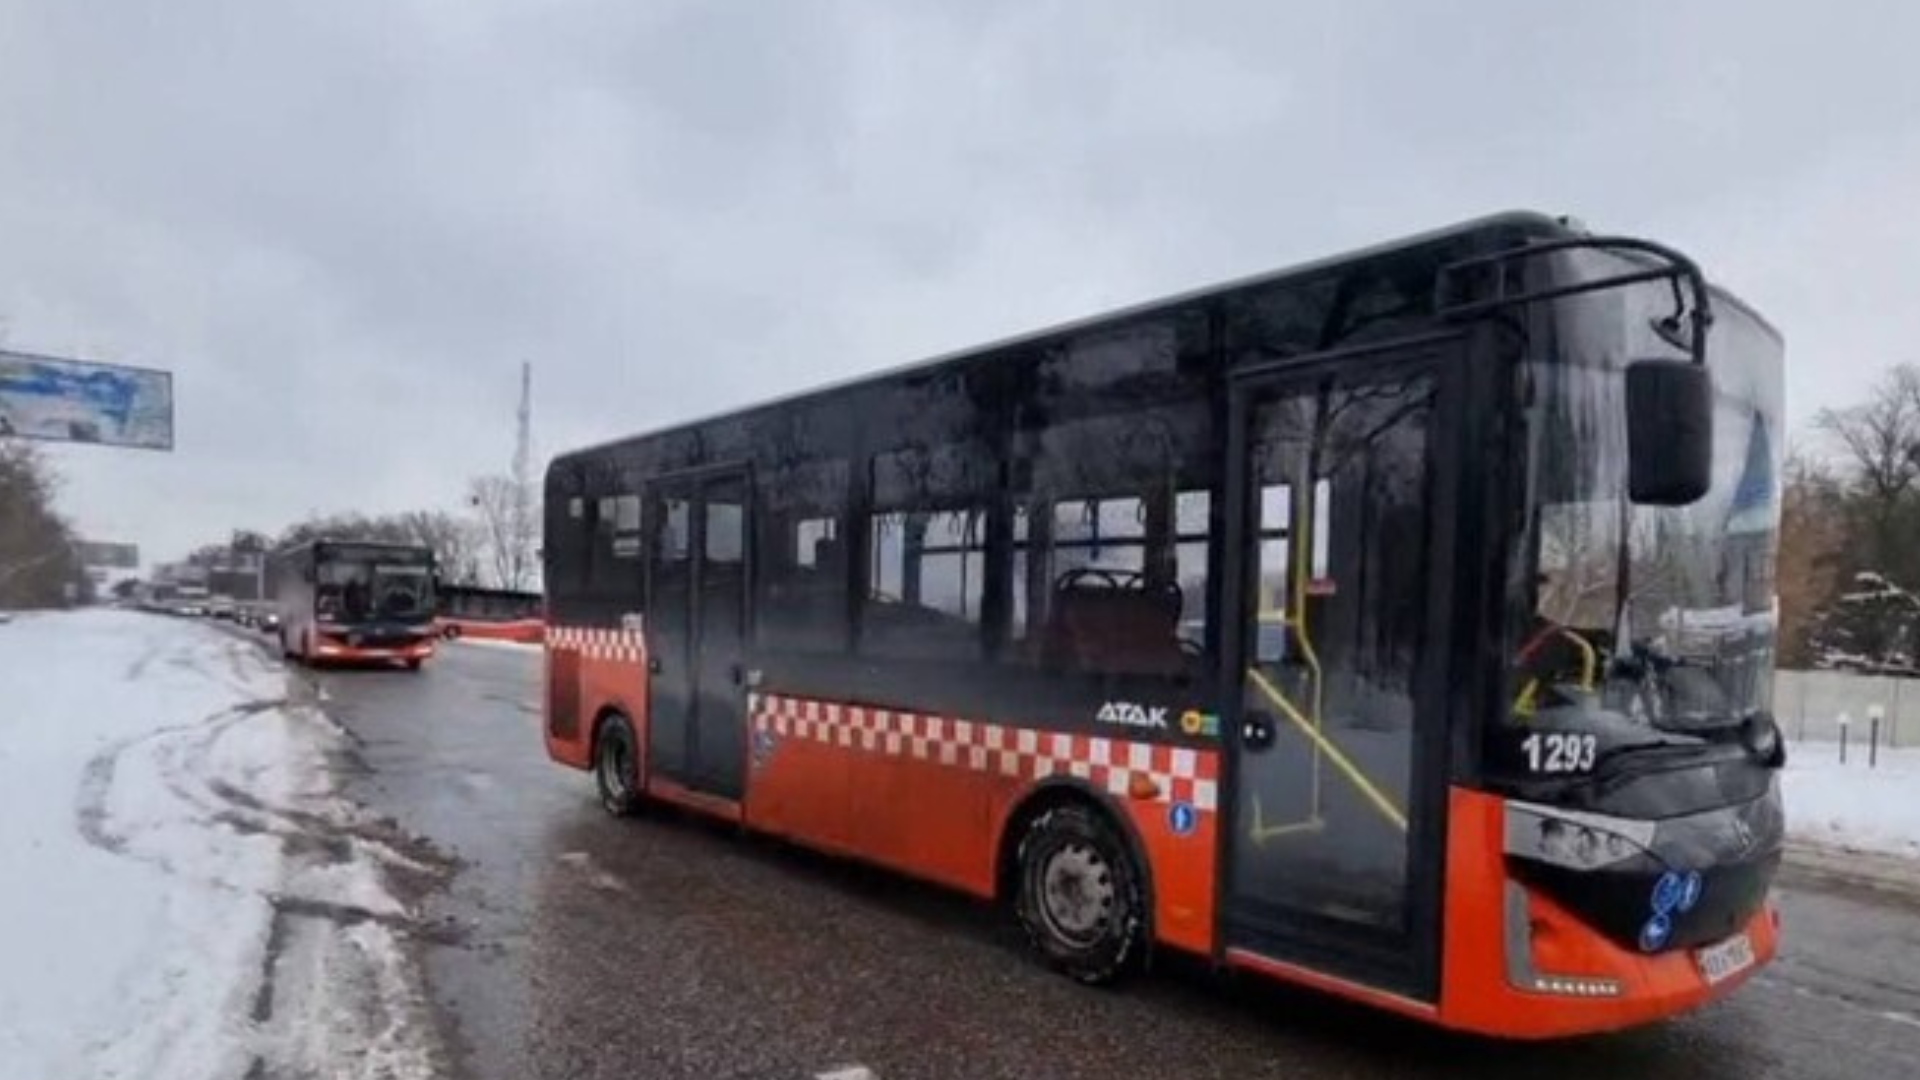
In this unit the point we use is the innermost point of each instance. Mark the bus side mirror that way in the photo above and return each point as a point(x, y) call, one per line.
point(1669, 432)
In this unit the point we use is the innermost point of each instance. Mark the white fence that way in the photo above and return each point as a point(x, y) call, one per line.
point(1809, 705)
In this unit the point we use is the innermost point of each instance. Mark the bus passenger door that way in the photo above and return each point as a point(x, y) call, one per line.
point(1336, 731)
point(718, 762)
point(669, 628)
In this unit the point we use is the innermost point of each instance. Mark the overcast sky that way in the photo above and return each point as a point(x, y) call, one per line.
point(343, 225)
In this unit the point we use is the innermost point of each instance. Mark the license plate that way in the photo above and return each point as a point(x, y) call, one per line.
point(1725, 960)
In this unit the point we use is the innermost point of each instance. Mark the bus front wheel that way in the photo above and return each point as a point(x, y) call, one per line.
point(1080, 900)
point(616, 767)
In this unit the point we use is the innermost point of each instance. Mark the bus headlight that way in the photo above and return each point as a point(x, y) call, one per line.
point(1573, 839)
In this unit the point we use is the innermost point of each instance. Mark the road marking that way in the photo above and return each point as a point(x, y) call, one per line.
point(848, 1072)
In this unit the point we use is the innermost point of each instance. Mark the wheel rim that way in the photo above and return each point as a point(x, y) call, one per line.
point(1077, 893)
point(616, 765)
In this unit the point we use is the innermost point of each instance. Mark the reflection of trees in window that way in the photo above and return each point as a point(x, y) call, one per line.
point(1360, 455)
point(933, 560)
point(926, 583)
point(801, 565)
point(927, 543)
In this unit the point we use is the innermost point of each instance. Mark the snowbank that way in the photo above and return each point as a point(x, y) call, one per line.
point(1853, 806)
point(179, 862)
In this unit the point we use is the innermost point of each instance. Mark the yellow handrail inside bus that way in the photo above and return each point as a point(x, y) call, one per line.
point(1302, 553)
point(1366, 787)
point(1526, 702)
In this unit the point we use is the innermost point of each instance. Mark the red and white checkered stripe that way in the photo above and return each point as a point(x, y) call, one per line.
point(1179, 774)
point(599, 643)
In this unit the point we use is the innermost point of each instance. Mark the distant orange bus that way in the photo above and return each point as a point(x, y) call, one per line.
point(468, 611)
point(1400, 626)
point(353, 601)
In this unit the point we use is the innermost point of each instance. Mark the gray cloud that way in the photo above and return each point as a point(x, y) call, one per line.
point(343, 225)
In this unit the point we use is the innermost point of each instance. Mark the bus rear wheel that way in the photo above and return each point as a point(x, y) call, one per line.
point(1079, 899)
point(616, 767)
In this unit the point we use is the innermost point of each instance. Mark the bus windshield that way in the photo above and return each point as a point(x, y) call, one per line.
point(1665, 614)
point(361, 589)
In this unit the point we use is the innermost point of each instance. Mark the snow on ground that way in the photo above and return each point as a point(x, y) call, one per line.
point(186, 893)
point(1852, 805)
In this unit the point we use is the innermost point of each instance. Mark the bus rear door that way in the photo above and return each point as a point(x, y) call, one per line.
point(1336, 733)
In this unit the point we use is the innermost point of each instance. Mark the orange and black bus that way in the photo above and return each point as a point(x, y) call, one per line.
point(353, 601)
point(492, 614)
point(1400, 625)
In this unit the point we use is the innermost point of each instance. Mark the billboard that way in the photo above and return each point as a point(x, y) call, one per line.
point(44, 397)
point(109, 555)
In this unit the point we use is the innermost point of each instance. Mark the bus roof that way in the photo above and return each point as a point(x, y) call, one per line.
point(1528, 221)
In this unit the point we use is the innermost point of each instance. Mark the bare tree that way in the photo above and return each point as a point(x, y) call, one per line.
point(1880, 444)
point(1813, 543)
point(456, 543)
point(37, 560)
point(507, 529)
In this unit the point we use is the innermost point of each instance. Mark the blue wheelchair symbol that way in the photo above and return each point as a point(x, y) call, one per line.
point(1181, 818)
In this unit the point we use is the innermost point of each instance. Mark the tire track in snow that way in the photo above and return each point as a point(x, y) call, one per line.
point(336, 979)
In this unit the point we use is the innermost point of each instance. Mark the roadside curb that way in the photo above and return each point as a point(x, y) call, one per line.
point(1860, 869)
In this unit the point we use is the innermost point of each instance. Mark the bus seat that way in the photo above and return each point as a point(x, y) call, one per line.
point(1115, 626)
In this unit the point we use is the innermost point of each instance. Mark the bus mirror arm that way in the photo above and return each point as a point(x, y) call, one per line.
point(1479, 285)
point(1669, 402)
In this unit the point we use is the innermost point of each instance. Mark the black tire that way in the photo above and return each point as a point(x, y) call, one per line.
point(413, 665)
point(1080, 898)
point(450, 632)
point(616, 767)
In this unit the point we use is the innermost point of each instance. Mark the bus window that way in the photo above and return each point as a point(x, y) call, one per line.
point(800, 563)
point(613, 523)
point(1104, 533)
point(926, 584)
point(726, 531)
point(1276, 526)
point(626, 527)
point(676, 530)
point(1192, 524)
point(810, 538)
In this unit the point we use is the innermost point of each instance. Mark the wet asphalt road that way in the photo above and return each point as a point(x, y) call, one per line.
point(580, 946)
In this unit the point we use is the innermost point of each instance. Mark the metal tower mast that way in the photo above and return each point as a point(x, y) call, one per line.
point(522, 483)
